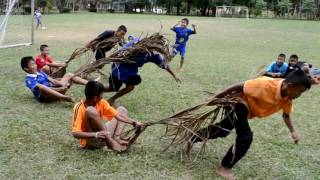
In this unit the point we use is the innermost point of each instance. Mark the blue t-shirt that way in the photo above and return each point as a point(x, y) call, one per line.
point(274, 68)
point(182, 35)
point(33, 79)
point(123, 71)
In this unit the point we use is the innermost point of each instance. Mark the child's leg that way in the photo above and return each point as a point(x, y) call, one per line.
point(181, 62)
point(242, 144)
point(120, 93)
point(182, 54)
point(115, 127)
point(46, 69)
point(94, 122)
point(48, 94)
point(68, 78)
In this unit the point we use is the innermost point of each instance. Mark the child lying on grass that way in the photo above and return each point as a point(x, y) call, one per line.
point(45, 88)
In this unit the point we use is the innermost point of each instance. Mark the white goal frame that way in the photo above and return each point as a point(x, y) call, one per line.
point(31, 35)
point(227, 11)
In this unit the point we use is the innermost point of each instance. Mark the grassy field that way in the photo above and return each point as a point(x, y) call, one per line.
point(35, 140)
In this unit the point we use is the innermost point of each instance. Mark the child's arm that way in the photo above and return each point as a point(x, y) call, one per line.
point(55, 64)
point(128, 120)
point(173, 27)
point(294, 133)
point(169, 70)
point(194, 29)
point(54, 82)
point(234, 88)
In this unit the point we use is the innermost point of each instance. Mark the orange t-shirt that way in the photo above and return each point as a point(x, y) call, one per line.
point(79, 114)
point(263, 97)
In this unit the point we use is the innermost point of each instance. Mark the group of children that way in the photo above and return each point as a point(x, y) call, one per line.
point(280, 69)
point(259, 97)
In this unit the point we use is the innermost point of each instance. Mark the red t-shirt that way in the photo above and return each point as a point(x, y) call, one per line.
point(42, 61)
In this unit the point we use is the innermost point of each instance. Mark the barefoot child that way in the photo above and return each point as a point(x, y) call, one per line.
point(127, 73)
point(182, 37)
point(260, 97)
point(45, 63)
point(87, 124)
point(45, 88)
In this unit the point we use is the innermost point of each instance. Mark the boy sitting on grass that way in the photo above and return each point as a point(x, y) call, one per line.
point(45, 63)
point(278, 68)
point(87, 122)
point(293, 64)
point(260, 97)
point(182, 37)
point(45, 88)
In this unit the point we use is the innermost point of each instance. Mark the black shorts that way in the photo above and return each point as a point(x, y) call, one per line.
point(115, 84)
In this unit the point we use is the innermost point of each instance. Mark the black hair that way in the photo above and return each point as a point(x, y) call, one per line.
point(25, 61)
point(93, 88)
point(282, 55)
point(294, 56)
point(122, 28)
point(185, 19)
point(299, 77)
point(43, 46)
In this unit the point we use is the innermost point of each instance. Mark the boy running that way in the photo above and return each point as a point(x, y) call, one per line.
point(127, 73)
point(182, 36)
point(260, 97)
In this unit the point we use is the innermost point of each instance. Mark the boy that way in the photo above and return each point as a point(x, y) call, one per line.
point(87, 121)
point(38, 16)
point(293, 64)
point(278, 68)
point(43, 87)
point(182, 37)
point(260, 98)
point(45, 63)
point(127, 73)
point(101, 52)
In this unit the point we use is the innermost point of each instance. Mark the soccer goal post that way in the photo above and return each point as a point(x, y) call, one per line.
point(232, 11)
point(16, 23)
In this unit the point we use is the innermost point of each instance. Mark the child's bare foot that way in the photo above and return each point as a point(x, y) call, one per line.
point(225, 172)
point(120, 148)
point(122, 142)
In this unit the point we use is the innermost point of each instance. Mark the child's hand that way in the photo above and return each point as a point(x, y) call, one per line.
point(101, 135)
point(178, 80)
point(193, 25)
point(138, 124)
point(295, 135)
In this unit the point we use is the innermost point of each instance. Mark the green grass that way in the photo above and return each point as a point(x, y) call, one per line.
point(35, 138)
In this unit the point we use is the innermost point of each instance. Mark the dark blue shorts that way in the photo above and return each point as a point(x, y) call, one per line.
point(181, 49)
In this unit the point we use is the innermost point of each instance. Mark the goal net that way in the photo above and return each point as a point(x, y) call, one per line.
point(232, 11)
point(16, 21)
